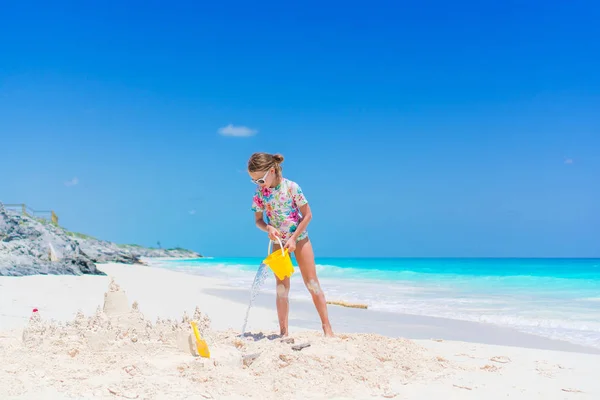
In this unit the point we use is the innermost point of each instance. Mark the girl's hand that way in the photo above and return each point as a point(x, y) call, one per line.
point(290, 245)
point(273, 233)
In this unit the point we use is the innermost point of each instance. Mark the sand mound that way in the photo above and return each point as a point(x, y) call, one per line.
point(117, 353)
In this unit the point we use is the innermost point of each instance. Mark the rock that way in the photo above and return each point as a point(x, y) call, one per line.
point(101, 251)
point(140, 252)
point(30, 246)
point(300, 346)
point(248, 359)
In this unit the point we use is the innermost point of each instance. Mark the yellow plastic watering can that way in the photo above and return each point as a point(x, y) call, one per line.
point(280, 262)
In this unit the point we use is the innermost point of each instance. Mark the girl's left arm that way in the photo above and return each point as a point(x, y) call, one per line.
point(306, 217)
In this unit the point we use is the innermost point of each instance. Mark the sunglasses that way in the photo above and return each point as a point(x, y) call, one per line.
point(262, 180)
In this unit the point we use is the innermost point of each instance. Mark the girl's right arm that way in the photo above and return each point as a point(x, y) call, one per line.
point(262, 225)
point(260, 221)
point(258, 207)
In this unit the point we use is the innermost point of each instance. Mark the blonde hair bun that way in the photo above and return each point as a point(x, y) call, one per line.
point(264, 161)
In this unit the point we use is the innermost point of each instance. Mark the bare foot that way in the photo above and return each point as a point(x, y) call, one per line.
point(328, 331)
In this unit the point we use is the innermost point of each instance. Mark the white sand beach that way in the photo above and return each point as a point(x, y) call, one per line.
point(131, 340)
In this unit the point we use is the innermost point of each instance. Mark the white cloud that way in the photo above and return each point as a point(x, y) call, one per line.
point(569, 161)
point(237, 131)
point(72, 182)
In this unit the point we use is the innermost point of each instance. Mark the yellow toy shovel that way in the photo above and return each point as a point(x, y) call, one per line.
point(200, 344)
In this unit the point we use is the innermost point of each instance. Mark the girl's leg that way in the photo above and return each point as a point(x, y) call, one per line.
point(282, 301)
point(306, 260)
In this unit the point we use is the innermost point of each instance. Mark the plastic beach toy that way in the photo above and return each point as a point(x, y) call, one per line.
point(200, 344)
point(279, 261)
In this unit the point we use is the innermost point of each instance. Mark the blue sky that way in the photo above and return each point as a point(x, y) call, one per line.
point(432, 129)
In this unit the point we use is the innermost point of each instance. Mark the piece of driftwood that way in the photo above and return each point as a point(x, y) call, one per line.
point(345, 304)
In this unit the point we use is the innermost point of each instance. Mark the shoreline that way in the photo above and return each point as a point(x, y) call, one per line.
point(409, 358)
point(415, 327)
point(394, 324)
point(303, 317)
point(570, 318)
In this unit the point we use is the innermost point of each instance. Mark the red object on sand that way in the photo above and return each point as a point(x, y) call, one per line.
point(35, 310)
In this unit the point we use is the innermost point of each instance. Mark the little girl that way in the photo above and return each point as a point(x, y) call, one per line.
point(288, 214)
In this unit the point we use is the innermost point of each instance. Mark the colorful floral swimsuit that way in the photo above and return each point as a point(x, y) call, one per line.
point(281, 205)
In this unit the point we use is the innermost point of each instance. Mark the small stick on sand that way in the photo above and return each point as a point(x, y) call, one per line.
point(345, 304)
point(572, 390)
point(463, 387)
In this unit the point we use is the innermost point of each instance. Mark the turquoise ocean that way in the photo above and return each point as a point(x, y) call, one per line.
point(554, 298)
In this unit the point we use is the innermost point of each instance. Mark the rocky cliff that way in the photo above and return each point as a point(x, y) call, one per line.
point(101, 251)
point(30, 246)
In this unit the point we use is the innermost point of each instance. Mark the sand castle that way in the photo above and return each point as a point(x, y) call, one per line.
point(116, 323)
point(118, 352)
